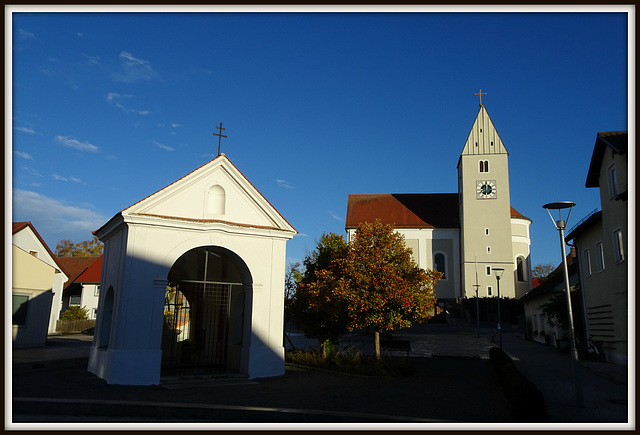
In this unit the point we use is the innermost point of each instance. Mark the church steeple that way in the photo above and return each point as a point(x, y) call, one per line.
point(483, 138)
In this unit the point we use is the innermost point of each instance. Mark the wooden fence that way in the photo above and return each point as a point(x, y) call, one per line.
point(74, 325)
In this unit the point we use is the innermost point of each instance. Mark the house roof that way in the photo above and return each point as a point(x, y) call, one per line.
point(553, 279)
point(16, 227)
point(413, 210)
point(617, 141)
point(585, 224)
point(81, 269)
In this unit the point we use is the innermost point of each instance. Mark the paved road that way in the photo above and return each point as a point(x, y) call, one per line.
point(454, 383)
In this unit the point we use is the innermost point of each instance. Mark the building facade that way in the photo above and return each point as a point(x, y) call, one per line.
point(601, 244)
point(469, 235)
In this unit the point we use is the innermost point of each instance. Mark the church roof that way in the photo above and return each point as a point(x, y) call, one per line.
point(419, 210)
point(413, 210)
point(483, 138)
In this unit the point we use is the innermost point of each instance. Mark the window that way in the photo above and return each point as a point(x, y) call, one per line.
point(587, 263)
point(486, 231)
point(488, 270)
point(96, 292)
point(488, 249)
point(34, 253)
point(613, 191)
point(440, 264)
point(599, 257)
point(19, 309)
point(483, 165)
point(618, 245)
point(94, 313)
point(489, 290)
point(521, 263)
point(74, 300)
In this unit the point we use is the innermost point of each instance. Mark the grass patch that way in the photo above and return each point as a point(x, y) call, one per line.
point(350, 360)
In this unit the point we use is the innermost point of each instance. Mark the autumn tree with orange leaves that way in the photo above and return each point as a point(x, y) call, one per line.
point(372, 281)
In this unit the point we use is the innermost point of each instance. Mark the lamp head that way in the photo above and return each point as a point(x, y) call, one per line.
point(560, 224)
point(498, 271)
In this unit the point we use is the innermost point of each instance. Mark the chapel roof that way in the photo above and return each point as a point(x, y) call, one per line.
point(412, 210)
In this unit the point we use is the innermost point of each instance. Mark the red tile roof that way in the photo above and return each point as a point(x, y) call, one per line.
point(419, 210)
point(81, 269)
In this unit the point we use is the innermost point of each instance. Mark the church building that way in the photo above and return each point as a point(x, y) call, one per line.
point(471, 236)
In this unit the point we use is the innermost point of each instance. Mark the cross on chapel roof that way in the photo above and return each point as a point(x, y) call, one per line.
point(220, 136)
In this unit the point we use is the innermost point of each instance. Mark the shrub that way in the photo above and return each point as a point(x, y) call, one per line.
point(75, 313)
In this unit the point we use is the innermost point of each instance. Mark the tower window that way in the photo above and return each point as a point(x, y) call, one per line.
point(483, 165)
point(491, 143)
point(486, 231)
point(489, 290)
point(488, 270)
point(522, 273)
point(488, 249)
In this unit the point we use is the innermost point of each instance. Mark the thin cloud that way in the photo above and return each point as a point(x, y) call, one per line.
point(25, 34)
point(174, 125)
point(27, 130)
point(55, 218)
point(134, 69)
point(31, 171)
point(116, 99)
point(61, 178)
point(74, 143)
point(284, 184)
point(164, 147)
point(335, 216)
point(23, 155)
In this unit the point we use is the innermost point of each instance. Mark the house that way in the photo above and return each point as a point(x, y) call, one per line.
point(469, 235)
point(192, 282)
point(537, 325)
point(83, 287)
point(600, 241)
point(37, 283)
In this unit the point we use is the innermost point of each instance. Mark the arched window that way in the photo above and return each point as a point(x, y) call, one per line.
point(440, 263)
point(484, 165)
point(216, 199)
point(521, 263)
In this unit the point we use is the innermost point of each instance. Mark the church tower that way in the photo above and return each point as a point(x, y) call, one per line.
point(485, 212)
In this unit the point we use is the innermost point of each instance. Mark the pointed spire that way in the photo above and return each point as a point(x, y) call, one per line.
point(483, 138)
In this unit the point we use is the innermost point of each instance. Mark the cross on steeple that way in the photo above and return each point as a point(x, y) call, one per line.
point(480, 93)
point(220, 136)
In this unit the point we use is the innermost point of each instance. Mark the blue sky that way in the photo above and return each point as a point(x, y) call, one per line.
point(108, 108)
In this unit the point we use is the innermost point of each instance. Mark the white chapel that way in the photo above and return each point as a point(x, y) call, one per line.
point(469, 235)
point(192, 282)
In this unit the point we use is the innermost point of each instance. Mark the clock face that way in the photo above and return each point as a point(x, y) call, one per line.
point(486, 189)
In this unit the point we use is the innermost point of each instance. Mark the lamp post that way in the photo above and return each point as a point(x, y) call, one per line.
point(499, 271)
point(560, 225)
point(477, 310)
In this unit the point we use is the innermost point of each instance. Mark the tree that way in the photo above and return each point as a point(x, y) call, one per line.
point(319, 309)
point(542, 271)
point(387, 289)
point(86, 248)
point(371, 281)
point(65, 248)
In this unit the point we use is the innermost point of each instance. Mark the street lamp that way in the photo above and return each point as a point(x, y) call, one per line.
point(499, 271)
point(477, 286)
point(560, 225)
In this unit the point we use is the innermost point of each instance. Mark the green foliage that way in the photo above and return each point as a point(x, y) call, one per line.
point(86, 248)
point(76, 313)
point(371, 281)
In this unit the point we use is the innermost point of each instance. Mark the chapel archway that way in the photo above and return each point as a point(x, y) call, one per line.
point(204, 317)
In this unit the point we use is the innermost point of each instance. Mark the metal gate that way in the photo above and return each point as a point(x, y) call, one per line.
point(196, 327)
